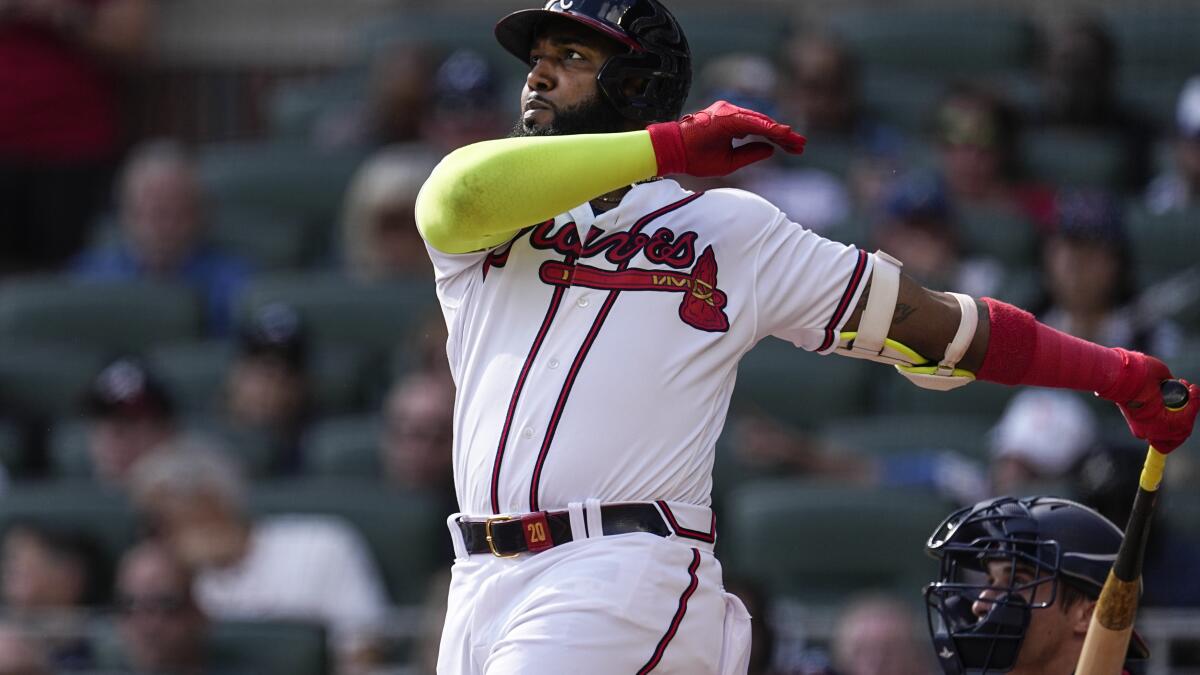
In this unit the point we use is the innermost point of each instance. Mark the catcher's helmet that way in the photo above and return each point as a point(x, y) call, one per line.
point(1049, 538)
point(658, 55)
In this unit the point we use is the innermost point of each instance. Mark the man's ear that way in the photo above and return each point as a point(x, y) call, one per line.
point(1081, 616)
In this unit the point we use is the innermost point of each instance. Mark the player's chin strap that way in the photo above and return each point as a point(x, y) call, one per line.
point(871, 340)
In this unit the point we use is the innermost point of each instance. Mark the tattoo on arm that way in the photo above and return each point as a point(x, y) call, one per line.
point(903, 312)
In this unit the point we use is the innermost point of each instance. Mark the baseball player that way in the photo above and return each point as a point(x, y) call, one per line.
point(597, 312)
point(1018, 582)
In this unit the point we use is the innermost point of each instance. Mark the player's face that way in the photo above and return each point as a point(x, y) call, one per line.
point(561, 95)
point(1048, 638)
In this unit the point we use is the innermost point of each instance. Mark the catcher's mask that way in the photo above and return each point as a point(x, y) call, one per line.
point(1038, 544)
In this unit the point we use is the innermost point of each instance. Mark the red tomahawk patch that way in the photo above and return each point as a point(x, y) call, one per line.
point(703, 303)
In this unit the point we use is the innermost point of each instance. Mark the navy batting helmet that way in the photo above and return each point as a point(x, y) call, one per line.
point(1051, 540)
point(659, 57)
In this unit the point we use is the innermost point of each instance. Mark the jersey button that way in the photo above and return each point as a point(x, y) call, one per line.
point(527, 432)
point(583, 302)
point(553, 364)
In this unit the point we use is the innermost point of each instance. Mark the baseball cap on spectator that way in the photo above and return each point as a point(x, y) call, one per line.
point(1187, 114)
point(465, 81)
point(275, 330)
point(917, 196)
point(127, 388)
point(1090, 215)
point(1046, 430)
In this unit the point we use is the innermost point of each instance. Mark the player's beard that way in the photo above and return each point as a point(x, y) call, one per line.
point(592, 116)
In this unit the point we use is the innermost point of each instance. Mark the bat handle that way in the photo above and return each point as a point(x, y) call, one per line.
point(1174, 394)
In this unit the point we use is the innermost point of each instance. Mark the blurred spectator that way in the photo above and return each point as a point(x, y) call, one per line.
point(396, 101)
point(51, 575)
point(1079, 92)
point(1088, 278)
point(60, 126)
point(379, 231)
point(162, 629)
point(466, 106)
point(297, 567)
point(812, 197)
point(1179, 188)
point(821, 97)
point(267, 391)
point(162, 220)
point(418, 432)
point(979, 140)
point(919, 228)
point(21, 653)
point(1040, 437)
point(130, 414)
point(762, 632)
point(1106, 480)
point(879, 635)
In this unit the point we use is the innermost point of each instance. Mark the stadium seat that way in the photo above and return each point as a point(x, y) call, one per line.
point(903, 98)
point(819, 543)
point(267, 241)
point(340, 311)
point(919, 39)
point(339, 375)
point(1008, 236)
point(290, 181)
point(83, 505)
point(343, 446)
point(406, 531)
point(1162, 39)
point(715, 33)
point(193, 372)
point(295, 107)
point(1073, 159)
point(899, 396)
point(801, 388)
point(269, 647)
point(12, 447)
point(45, 379)
point(892, 434)
point(1163, 245)
point(124, 317)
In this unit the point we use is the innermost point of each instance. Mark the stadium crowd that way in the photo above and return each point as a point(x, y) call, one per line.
point(224, 399)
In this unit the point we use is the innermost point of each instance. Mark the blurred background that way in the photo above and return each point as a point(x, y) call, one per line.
point(224, 402)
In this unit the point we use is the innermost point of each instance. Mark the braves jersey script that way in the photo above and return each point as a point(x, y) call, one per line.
point(595, 356)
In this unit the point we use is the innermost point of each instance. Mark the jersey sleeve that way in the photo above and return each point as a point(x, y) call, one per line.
point(806, 286)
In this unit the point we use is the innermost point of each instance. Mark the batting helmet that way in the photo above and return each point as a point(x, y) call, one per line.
point(1047, 538)
point(658, 56)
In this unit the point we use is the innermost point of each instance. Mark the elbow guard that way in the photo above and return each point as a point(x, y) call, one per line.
point(871, 340)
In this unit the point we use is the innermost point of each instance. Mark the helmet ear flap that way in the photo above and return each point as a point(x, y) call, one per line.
point(641, 89)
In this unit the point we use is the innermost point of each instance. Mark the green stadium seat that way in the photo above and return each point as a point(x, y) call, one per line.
point(406, 531)
point(1008, 236)
point(715, 33)
point(1163, 245)
point(83, 505)
point(819, 543)
point(903, 98)
point(1152, 92)
point(919, 39)
point(193, 372)
point(893, 434)
point(1074, 159)
point(295, 107)
point(269, 647)
point(801, 388)
point(1160, 39)
point(442, 30)
point(45, 379)
point(339, 376)
point(13, 450)
point(899, 396)
point(344, 447)
point(1181, 507)
point(268, 241)
point(290, 181)
point(340, 311)
point(125, 317)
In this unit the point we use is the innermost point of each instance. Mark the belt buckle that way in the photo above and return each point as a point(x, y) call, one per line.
point(487, 530)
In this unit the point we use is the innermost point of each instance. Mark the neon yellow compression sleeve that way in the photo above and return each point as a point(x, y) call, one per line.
point(481, 195)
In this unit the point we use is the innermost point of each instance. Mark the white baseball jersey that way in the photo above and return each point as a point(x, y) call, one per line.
point(595, 356)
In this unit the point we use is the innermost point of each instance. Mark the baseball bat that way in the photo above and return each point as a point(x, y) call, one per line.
point(1107, 640)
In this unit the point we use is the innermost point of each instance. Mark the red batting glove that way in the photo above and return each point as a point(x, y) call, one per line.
point(701, 144)
point(1136, 392)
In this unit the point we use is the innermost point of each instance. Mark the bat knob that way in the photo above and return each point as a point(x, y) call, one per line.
point(1174, 394)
